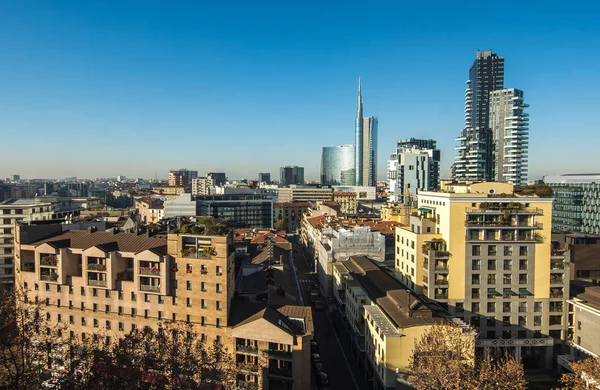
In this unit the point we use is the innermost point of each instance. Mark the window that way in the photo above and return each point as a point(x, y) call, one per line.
point(219, 305)
point(522, 307)
point(174, 316)
point(133, 312)
point(537, 320)
point(107, 309)
point(95, 323)
point(120, 294)
point(491, 250)
point(475, 293)
point(120, 310)
point(160, 315)
point(491, 307)
point(188, 268)
point(522, 321)
point(70, 289)
point(507, 264)
point(203, 269)
point(218, 340)
point(506, 320)
point(475, 265)
point(476, 250)
point(83, 321)
point(508, 250)
point(94, 292)
point(82, 291)
point(523, 265)
point(107, 324)
point(121, 326)
point(71, 320)
point(146, 297)
point(107, 293)
point(189, 302)
point(203, 321)
point(82, 306)
point(219, 288)
point(507, 279)
point(146, 313)
point(491, 265)
point(47, 316)
point(58, 288)
point(188, 318)
point(475, 279)
point(219, 270)
point(133, 296)
point(522, 278)
point(47, 287)
point(161, 299)
point(537, 307)
point(491, 279)
point(506, 306)
point(174, 301)
point(218, 322)
point(523, 251)
point(475, 307)
point(59, 317)
point(58, 303)
point(188, 285)
point(203, 304)
point(203, 286)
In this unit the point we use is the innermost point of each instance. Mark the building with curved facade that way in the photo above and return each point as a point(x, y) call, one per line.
point(337, 165)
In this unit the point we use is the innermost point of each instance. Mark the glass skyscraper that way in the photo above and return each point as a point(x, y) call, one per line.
point(365, 151)
point(337, 165)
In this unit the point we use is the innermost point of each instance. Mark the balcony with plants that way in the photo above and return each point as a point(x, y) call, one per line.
point(48, 260)
point(149, 284)
point(96, 264)
point(501, 207)
point(48, 275)
point(150, 268)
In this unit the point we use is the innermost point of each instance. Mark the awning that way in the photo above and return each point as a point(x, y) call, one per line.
point(492, 291)
point(524, 291)
point(425, 210)
point(508, 291)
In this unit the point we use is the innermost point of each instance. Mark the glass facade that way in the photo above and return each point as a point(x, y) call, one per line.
point(240, 211)
point(337, 165)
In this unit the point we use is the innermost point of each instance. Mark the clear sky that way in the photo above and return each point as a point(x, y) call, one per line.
point(106, 88)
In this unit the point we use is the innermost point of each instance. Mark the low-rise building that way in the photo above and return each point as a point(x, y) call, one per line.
point(586, 323)
point(362, 192)
point(347, 201)
point(150, 209)
point(168, 190)
point(304, 193)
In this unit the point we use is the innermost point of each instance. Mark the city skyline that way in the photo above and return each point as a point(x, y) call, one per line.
point(81, 80)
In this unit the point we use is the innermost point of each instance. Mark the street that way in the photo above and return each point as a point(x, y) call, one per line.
point(341, 373)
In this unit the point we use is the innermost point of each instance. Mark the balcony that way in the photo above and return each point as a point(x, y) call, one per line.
point(557, 266)
point(153, 271)
point(284, 372)
point(247, 349)
point(96, 267)
point(556, 279)
point(248, 367)
point(48, 260)
point(441, 267)
point(28, 267)
point(101, 283)
point(49, 277)
point(146, 287)
point(441, 282)
point(278, 354)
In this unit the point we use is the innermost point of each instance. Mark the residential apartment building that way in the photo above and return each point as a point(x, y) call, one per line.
point(474, 160)
point(151, 210)
point(346, 200)
point(114, 283)
point(290, 213)
point(337, 165)
point(576, 208)
point(168, 190)
point(486, 255)
point(304, 194)
point(289, 175)
point(182, 177)
point(41, 208)
point(509, 125)
point(585, 309)
point(203, 186)
point(413, 168)
point(384, 318)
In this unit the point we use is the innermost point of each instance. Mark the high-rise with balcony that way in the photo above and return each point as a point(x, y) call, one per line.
point(365, 149)
point(474, 160)
point(486, 256)
point(510, 133)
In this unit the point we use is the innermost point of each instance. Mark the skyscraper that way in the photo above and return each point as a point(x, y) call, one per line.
point(365, 151)
point(337, 165)
point(510, 129)
point(291, 175)
point(475, 152)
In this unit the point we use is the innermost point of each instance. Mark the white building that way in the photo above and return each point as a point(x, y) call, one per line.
point(203, 186)
point(412, 168)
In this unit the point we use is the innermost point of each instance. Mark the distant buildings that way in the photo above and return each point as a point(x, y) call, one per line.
point(290, 213)
point(203, 186)
point(304, 193)
point(365, 148)
point(576, 205)
point(415, 166)
point(337, 165)
point(363, 193)
point(289, 175)
point(182, 177)
point(218, 178)
point(347, 201)
point(264, 178)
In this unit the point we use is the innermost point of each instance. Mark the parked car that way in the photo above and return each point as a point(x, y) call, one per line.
point(319, 305)
point(323, 380)
point(316, 357)
point(314, 347)
point(318, 366)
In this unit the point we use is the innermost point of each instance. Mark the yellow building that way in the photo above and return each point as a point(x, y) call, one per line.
point(485, 253)
point(396, 212)
point(346, 200)
point(115, 282)
point(385, 319)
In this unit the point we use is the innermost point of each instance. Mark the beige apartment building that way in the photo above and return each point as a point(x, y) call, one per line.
point(115, 282)
point(347, 201)
point(290, 213)
point(485, 254)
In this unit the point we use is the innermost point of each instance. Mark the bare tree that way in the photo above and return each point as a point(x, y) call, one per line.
point(585, 375)
point(444, 359)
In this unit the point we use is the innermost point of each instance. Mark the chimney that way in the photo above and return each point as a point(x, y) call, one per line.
point(91, 229)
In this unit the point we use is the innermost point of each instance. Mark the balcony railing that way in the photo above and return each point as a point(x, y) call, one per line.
point(28, 267)
point(146, 287)
point(498, 210)
point(285, 372)
point(49, 278)
point(245, 385)
point(150, 271)
point(441, 282)
point(92, 282)
point(557, 266)
point(278, 354)
point(248, 367)
point(556, 280)
point(246, 349)
point(96, 267)
point(441, 268)
point(48, 261)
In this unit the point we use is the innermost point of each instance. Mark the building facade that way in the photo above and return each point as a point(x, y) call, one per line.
point(347, 201)
point(203, 186)
point(289, 175)
point(488, 258)
point(413, 168)
point(365, 148)
point(586, 323)
point(509, 125)
point(291, 214)
point(576, 207)
point(304, 194)
point(337, 165)
point(474, 160)
point(264, 178)
point(218, 178)
point(182, 177)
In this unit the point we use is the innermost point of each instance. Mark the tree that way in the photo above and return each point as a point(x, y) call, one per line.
point(27, 340)
point(444, 359)
point(280, 225)
point(585, 375)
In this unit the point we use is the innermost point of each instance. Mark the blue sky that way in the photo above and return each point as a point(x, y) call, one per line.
point(102, 88)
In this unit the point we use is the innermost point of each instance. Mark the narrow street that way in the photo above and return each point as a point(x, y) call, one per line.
point(341, 373)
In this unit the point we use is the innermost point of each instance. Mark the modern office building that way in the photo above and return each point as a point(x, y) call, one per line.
point(43, 208)
point(304, 193)
point(365, 148)
point(577, 202)
point(240, 211)
point(488, 258)
point(509, 125)
point(264, 178)
point(474, 160)
point(182, 177)
point(289, 175)
point(110, 284)
point(337, 165)
point(218, 178)
point(415, 166)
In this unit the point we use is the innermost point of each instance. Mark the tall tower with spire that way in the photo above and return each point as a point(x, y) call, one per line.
point(358, 134)
point(365, 151)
